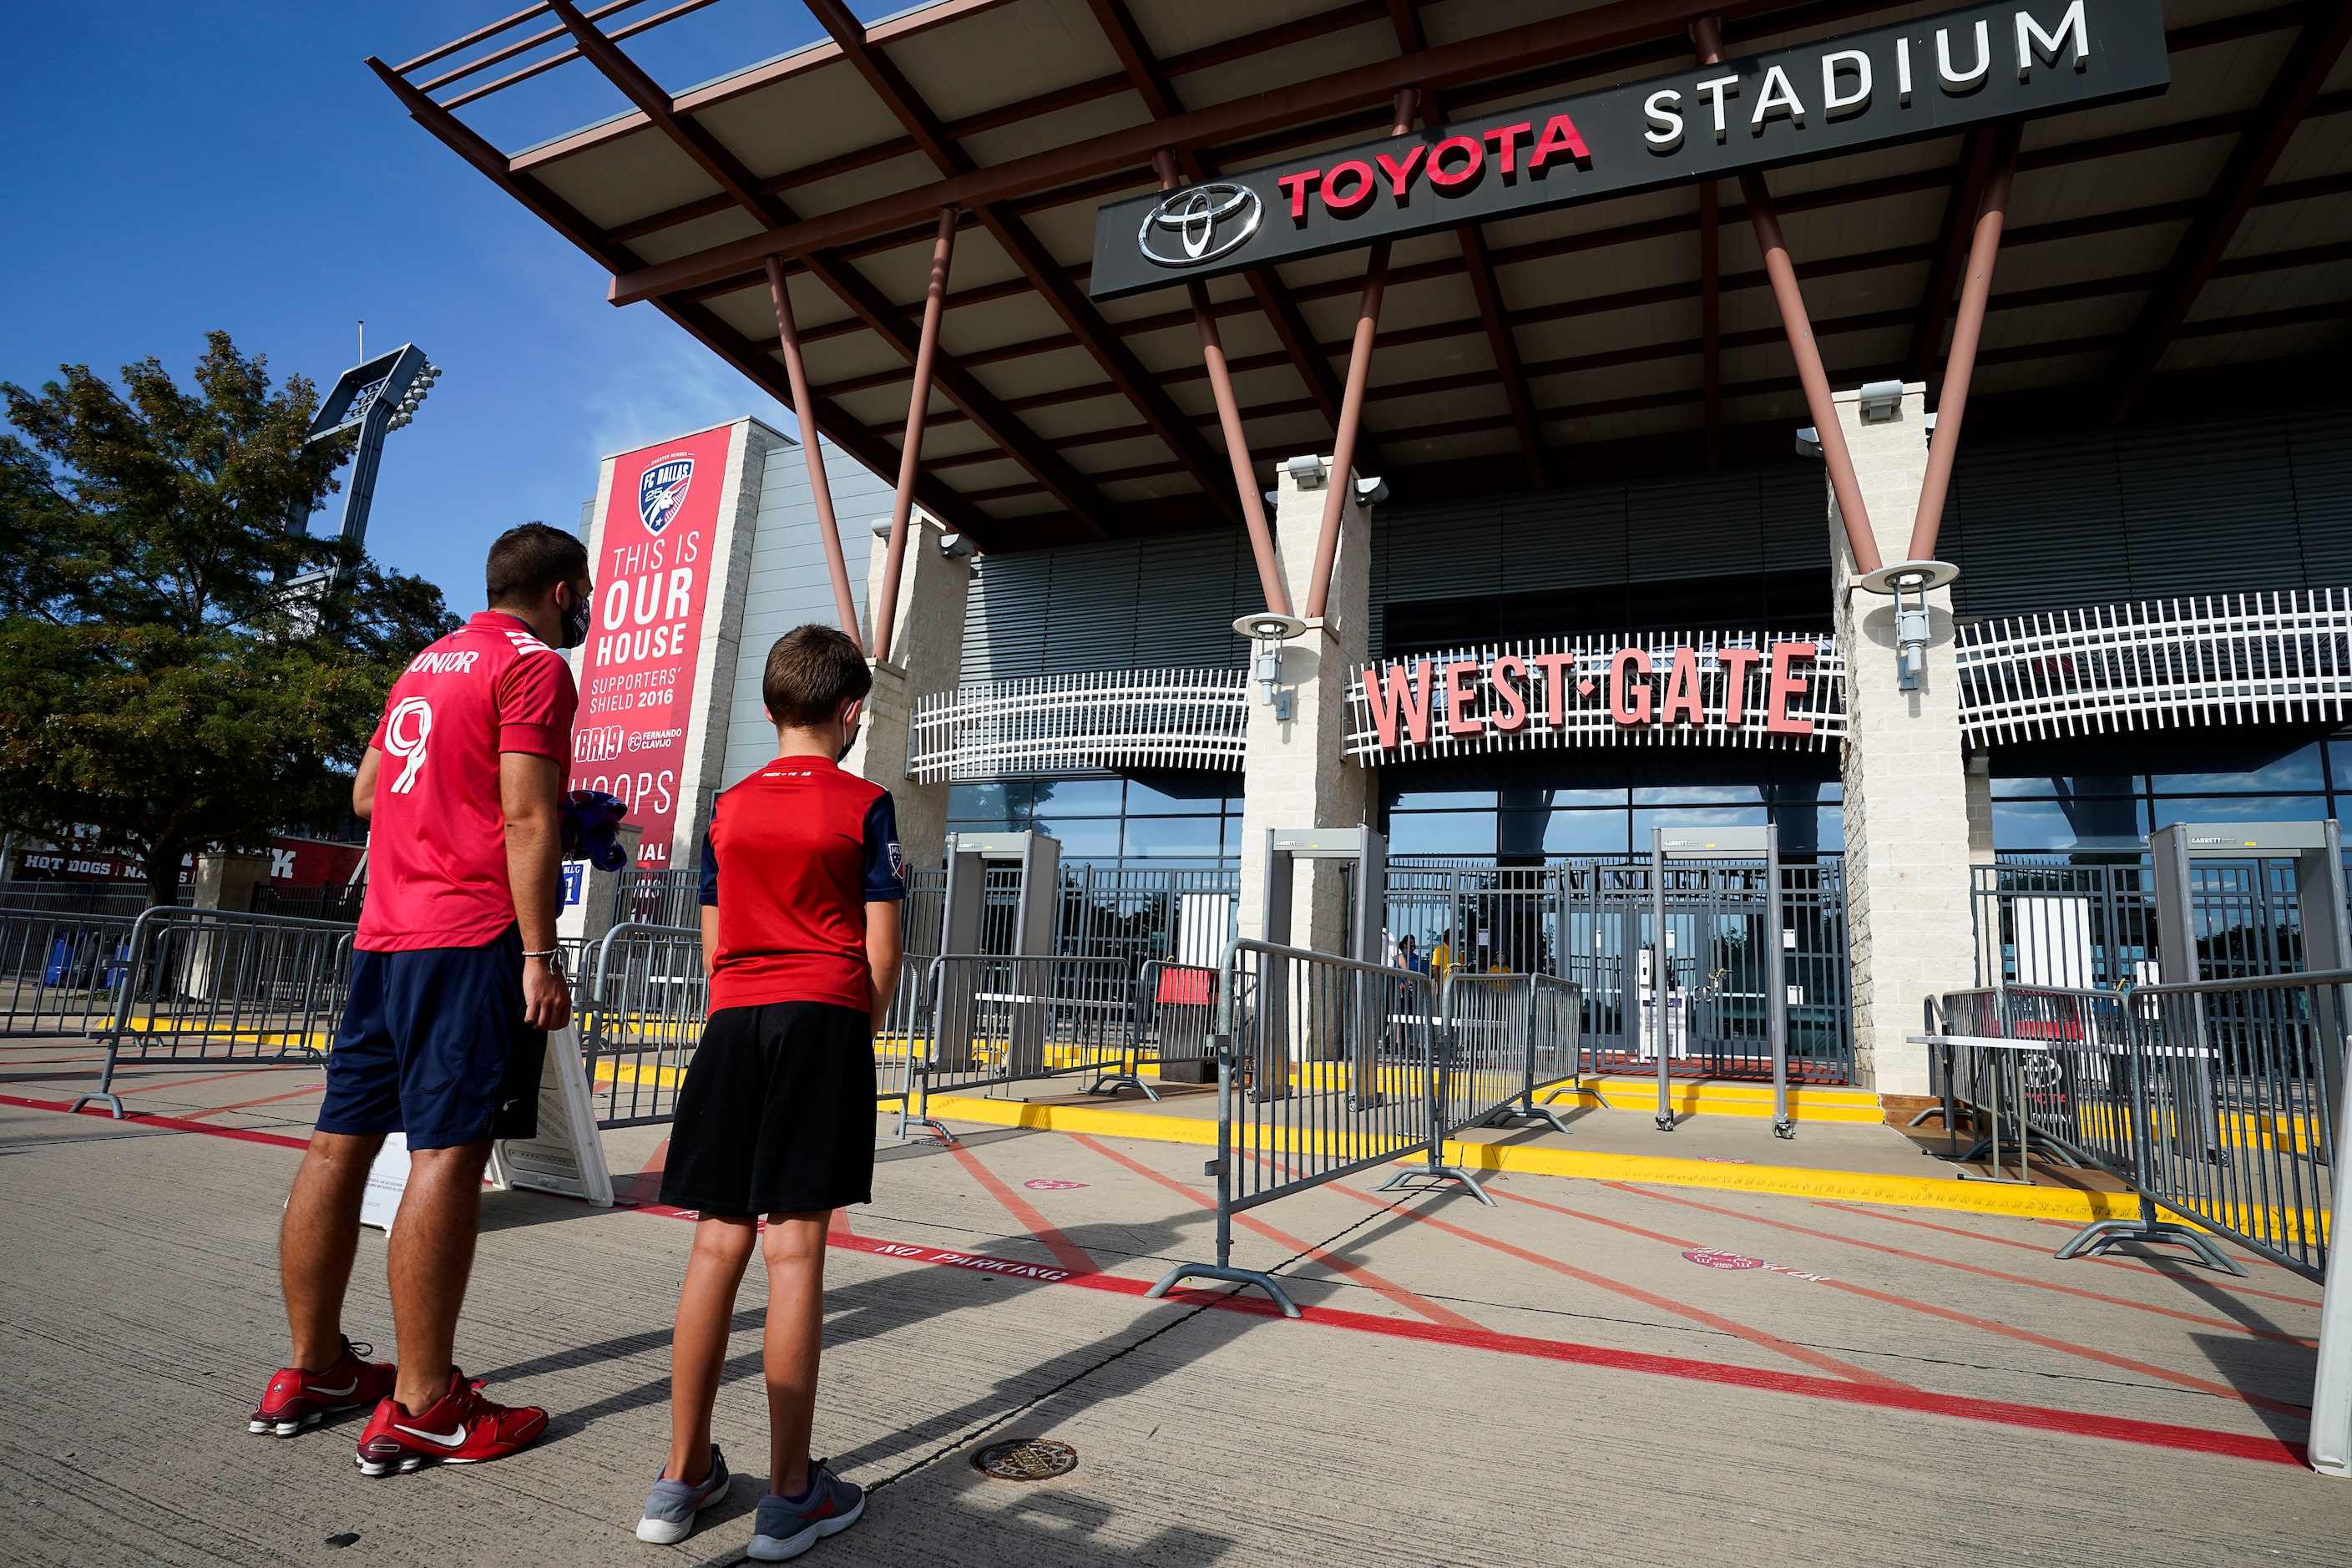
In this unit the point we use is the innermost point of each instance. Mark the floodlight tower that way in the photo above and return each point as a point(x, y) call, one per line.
point(375, 398)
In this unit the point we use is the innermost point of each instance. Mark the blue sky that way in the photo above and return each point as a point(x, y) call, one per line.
point(170, 168)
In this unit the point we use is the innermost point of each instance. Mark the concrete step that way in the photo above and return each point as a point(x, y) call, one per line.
point(1717, 1097)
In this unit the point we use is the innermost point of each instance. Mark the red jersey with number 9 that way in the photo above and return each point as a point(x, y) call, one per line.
point(438, 840)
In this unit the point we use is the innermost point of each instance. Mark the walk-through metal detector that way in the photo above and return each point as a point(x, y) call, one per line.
point(966, 928)
point(2318, 850)
point(1364, 855)
point(1763, 844)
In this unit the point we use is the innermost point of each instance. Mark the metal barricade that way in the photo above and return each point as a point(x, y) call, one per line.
point(1324, 1067)
point(2035, 1070)
point(905, 1022)
point(1555, 1054)
point(1481, 1052)
point(998, 1020)
point(62, 971)
point(2241, 1087)
point(641, 1020)
point(219, 986)
point(1175, 1013)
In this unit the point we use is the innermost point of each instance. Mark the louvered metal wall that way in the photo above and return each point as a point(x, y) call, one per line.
point(1149, 603)
point(2084, 518)
point(2094, 518)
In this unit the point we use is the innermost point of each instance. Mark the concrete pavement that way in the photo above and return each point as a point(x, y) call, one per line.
point(1555, 1381)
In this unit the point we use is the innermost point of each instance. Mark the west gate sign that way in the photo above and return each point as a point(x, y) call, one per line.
point(1930, 76)
point(1666, 688)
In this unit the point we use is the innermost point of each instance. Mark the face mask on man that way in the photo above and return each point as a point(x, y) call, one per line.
point(576, 621)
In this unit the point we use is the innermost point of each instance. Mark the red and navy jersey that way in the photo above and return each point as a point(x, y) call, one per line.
point(793, 855)
point(437, 836)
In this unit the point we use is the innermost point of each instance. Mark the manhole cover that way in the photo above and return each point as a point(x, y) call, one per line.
point(1026, 1460)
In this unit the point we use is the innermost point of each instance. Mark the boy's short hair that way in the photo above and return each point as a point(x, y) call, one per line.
point(531, 558)
point(810, 672)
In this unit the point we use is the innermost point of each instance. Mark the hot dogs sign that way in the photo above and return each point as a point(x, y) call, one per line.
point(1739, 689)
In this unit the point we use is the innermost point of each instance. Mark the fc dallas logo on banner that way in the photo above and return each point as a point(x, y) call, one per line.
point(652, 576)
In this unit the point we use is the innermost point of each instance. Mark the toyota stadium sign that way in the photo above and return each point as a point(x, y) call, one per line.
point(1930, 76)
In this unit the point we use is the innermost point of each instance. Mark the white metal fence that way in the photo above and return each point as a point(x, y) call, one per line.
point(1100, 718)
point(2229, 658)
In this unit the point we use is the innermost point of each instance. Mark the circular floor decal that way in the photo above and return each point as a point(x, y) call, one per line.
point(1709, 1257)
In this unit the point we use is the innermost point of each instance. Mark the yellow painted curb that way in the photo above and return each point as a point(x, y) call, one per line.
point(1781, 1181)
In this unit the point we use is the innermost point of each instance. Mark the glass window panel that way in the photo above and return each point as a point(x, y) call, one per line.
point(1147, 800)
point(2241, 808)
point(1826, 792)
point(1441, 800)
point(1692, 817)
point(1079, 797)
point(1582, 798)
point(1441, 833)
point(2028, 825)
point(2298, 770)
point(2078, 785)
point(983, 806)
point(1084, 837)
point(2339, 764)
point(1811, 829)
point(1585, 833)
point(1172, 835)
point(1699, 794)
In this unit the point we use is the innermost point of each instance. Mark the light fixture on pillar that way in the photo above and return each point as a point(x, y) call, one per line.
point(1882, 402)
point(1267, 632)
point(1371, 491)
point(956, 546)
point(881, 527)
point(1908, 582)
point(1809, 442)
point(1308, 472)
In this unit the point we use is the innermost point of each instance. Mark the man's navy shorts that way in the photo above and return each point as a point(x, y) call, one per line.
point(432, 1045)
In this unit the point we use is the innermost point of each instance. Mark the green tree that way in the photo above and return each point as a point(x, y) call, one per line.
point(160, 687)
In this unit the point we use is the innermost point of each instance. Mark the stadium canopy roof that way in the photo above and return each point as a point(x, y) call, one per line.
point(2189, 248)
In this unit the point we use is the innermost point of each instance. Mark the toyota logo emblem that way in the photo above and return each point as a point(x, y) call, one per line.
point(1198, 215)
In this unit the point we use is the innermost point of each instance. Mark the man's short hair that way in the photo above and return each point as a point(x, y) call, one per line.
point(810, 672)
point(531, 558)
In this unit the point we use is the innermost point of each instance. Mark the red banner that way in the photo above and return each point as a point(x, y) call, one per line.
point(652, 576)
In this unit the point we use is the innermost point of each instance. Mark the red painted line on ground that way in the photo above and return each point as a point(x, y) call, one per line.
point(2162, 1267)
point(1068, 1253)
point(1409, 1300)
point(1879, 1394)
point(168, 1082)
point(2027, 1336)
point(176, 1124)
point(2198, 1318)
point(1757, 1337)
point(319, 1088)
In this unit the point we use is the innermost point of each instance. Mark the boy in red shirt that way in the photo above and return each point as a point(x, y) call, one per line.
point(453, 986)
point(801, 878)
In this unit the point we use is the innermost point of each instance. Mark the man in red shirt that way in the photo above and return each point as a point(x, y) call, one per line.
point(801, 878)
point(453, 986)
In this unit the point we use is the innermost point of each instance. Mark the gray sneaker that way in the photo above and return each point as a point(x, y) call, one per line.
point(671, 1506)
point(785, 1529)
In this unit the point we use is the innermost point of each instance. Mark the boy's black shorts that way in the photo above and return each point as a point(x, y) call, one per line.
point(776, 1115)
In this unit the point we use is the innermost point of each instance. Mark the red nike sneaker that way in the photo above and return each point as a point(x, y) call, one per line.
point(461, 1428)
point(296, 1399)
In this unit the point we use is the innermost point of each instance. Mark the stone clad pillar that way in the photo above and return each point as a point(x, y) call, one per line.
point(1906, 799)
point(1294, 776)
point(926, 657)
